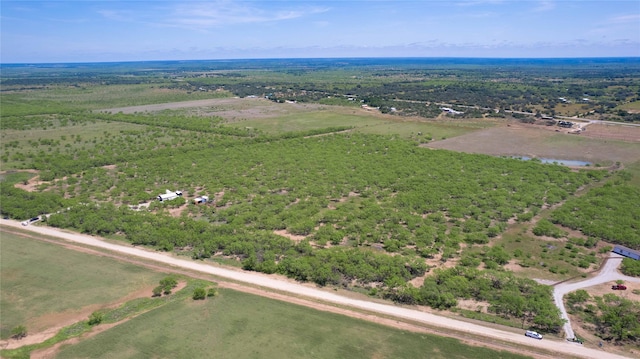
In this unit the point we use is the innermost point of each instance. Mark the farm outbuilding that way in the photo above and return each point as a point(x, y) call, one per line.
point(169, 195)
point(627, 252)
point(201, 199)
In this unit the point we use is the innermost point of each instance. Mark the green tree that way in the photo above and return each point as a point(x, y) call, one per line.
point(199, 293)
point(212, 292)
point(168, 283)
point(96, 318)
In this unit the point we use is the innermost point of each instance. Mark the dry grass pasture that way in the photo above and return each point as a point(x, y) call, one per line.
point(514, 139)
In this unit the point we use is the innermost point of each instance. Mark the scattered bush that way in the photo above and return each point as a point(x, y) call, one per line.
point(157, 291)
point(199, 293)
point(96, 318)
point(546, 228)
point(167, 284)
point(19, 332)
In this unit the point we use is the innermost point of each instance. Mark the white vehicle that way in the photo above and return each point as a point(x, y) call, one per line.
point(532, 334)
point(32, 220)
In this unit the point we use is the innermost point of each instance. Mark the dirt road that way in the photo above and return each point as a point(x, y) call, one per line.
point(608, 273)
point(517, 339)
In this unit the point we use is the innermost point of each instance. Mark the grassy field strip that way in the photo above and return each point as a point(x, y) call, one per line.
point(264, 281)
point(293, 298)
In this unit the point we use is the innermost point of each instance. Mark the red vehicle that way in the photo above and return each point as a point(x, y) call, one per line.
point(618, 287)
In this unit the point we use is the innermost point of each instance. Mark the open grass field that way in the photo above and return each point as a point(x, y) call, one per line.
point(309, 120)
point(236, 325)
point(631, 106)
point(527, 140)
point(45, 285)
point(434, 129)
point(274, 118)
point(83, 96)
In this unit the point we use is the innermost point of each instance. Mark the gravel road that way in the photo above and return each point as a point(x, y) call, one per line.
point(557, 346)
point(608, 273)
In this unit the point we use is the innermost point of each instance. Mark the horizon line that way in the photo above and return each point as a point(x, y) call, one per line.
point(327, 58)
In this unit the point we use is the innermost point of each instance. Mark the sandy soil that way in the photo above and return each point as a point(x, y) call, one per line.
point(446, 326)
point(614, 132)
point(293, 237)
point(32, 183)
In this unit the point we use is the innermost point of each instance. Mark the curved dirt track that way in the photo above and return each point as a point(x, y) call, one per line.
point(608, 273)
point(517, 339)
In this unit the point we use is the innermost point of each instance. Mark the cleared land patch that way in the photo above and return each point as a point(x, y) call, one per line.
point(520, 140)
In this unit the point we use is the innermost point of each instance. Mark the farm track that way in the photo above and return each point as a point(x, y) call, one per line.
point(608, 272)
point(268, 286)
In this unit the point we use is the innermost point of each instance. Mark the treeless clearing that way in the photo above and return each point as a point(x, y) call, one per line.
point(230, 109)
point(612, 132)
point(53, 322)
point(518, 139)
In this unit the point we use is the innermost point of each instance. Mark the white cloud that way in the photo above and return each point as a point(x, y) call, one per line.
point(225, 12)
point(623, 19)
point(116, 15)
point(545, 6)
point(479, 2)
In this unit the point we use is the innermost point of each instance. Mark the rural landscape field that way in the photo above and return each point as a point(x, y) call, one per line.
point(472, 189)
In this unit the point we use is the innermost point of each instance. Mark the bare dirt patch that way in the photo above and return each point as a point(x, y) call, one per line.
point(613, 132)
point(515, 139)
point(605, 288)
point(473, 305)
point(177, 212)
point(419, 281)
point(31, 184)
point(293, 237)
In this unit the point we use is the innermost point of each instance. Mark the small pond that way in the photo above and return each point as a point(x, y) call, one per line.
point(560, 162)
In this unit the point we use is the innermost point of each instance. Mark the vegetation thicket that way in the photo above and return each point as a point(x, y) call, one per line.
point(630, 267)
point(610, 212)
point(614, 318)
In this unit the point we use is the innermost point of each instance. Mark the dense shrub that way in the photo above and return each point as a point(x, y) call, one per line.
point(630, 267)
point(546, 228)
point(610, 212)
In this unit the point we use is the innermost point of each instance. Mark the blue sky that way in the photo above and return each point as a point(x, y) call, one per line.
point(89, 31)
